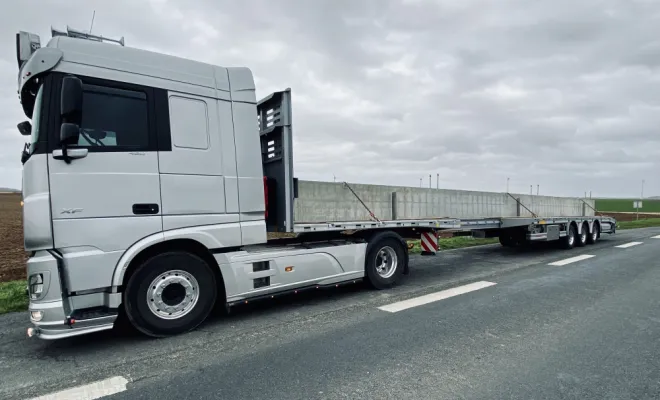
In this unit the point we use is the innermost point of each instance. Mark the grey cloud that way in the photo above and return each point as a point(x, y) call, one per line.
point(562, 94)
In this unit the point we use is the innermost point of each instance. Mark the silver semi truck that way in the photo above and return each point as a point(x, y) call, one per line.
point(151, 182)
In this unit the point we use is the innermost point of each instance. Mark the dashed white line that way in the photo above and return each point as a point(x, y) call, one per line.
point(430, 298)
point(571, 260)
point(655, 237)
point(626, 245)
point(93, 390)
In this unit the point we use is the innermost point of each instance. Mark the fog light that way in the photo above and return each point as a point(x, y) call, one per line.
point(36, 315)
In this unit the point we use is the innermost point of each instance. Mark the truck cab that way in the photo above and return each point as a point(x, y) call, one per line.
point(128, 149)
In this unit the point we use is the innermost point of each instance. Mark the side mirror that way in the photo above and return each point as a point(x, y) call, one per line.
point(69, 134)
point(71, 100)
point(25, 128)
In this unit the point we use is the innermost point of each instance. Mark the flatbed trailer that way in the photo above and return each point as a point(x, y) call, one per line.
point(148, 193)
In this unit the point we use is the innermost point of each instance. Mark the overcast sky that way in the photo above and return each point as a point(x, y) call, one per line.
point(564, 94)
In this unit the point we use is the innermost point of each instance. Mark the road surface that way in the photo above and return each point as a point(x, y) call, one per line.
point(480, 323)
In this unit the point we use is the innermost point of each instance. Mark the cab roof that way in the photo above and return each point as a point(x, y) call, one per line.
point(158, 65)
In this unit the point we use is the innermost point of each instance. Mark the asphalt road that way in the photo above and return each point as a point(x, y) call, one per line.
point(589, 329)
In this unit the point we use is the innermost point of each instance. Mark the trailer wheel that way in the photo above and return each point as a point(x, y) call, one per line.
point(595, 233)
point(583, 236)
point(568, 241)
point(385, 260)
point(170, 293)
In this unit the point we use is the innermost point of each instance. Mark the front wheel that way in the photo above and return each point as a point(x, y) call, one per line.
point(385, 260)
point(170, 293)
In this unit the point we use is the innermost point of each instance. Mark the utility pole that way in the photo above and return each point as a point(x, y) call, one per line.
point(420, 182)
point(437, 181)
point(507, 185)
point(641, 197)
point(429, 181)
point(530, 190)
point(537, 189)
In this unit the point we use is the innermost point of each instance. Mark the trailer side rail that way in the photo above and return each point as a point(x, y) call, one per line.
point(441, 223)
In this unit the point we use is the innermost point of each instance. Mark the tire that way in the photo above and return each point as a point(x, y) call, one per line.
point(568, 241)
point(593, 237)
point(386, 260)
point(170, 293)
point(582, 237)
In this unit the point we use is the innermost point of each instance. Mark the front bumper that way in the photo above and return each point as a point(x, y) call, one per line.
point(56, 325)
point(49, 310)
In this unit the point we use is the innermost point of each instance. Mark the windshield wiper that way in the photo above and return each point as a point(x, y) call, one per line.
point(89, 137)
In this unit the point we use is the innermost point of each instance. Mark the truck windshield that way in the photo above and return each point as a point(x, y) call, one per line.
point(36, 117)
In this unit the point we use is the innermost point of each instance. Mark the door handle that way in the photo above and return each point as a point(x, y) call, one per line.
point(143, 208)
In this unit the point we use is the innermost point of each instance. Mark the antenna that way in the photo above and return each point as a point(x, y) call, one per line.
point(72, 33)
point(92, 25)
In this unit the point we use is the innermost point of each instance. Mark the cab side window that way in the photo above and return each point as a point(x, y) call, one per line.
point(114, 119)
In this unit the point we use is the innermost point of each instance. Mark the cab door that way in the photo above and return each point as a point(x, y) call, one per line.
point(106, 196)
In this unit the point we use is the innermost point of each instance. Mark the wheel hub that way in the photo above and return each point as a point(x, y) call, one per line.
point(172, 294)
point(386, 262)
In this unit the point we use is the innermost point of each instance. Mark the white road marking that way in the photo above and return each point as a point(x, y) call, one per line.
point(631, 244)
point(430, 298)
point(571, 260)
point(655, 237)
point(93, 390)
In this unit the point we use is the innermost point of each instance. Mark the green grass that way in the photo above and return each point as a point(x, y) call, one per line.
point(13, 296)
point(626, 205)
point(642, 223)
point(457, 242)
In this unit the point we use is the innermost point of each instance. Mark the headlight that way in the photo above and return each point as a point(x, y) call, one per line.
point(36, 286)
point(36, 278)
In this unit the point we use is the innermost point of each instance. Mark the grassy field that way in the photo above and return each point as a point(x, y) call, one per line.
point(642, 223)
point(626, 205)
point(13, 296)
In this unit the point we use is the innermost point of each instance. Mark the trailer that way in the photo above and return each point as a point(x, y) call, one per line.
point(149, 193)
